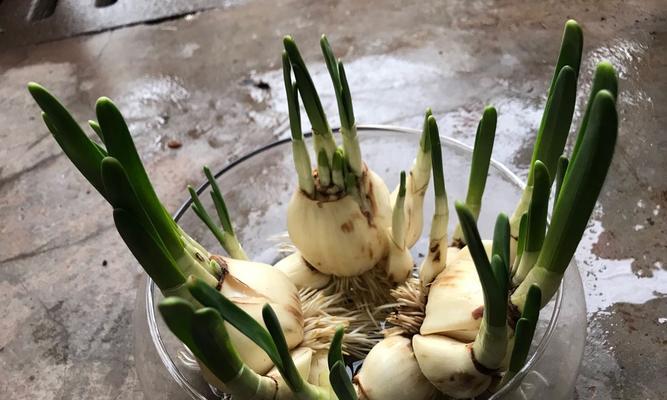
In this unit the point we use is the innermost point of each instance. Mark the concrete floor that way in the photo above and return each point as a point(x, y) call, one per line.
point(67, 283)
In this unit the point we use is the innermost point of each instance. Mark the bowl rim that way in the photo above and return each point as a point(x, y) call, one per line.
point(150, 288)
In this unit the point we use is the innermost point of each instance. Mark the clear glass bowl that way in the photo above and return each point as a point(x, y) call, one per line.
point(257, 189)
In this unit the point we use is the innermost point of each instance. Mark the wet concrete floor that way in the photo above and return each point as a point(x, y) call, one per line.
point(210, 82)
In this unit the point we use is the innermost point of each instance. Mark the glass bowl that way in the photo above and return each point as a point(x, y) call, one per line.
point(257, 189)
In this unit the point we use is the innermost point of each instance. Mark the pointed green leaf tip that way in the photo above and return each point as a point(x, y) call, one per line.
point(537, 214)
point(571, 50)
point(401, 189)
point(436, 157)
point(336, 348)
point(582, 184)
point(525, 329)
point(424, 141)
point(340, 382)
point(311, 100)
point(84, 153)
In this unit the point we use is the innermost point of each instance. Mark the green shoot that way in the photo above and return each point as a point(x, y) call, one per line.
point(557, 116)
point(398, 215)
point(571, 49)
point(179, 314)
point(227, 240)
point(495, 309)
point(323, 170)
point(338, 169)
point(537, 211)
point(333, 66)
point(536, 224)
point(231, 245)
point(350, 139)
point(501, 239)
point(205, 334)
point(479, 169)
point(336, 348)
point(556, 123)
point(299, 151)
point(582, 185)
point(481, 159)
point(120, 194)
point(341, 383)
point(577, 198)
point(210, 335)
point(83, 152)
point(560, 176)
point(345, 110)
point(150, 253)
point(322, 136)
point(238, 318)
point(441, 213)
point(521, 241)
point(287, 368)
point(603, 79)
point(120, 145)
point(436, 159)
point(96, 128)
point(524, 332)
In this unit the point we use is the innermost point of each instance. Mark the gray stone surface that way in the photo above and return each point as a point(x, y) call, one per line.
point(211, 81)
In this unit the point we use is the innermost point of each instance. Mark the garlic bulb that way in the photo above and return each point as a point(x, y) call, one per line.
point(448, 364)
point(390, 371)
point(251, 285)
point(455, 301)
point(337, 237)
point(300, 273)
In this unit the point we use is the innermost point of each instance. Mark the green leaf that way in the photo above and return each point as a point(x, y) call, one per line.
point(556, 121)
point(571, 49)
point(96, 128)
point(120, 194)
point(323, 170)
point(604, 79)
point(83, 152)
point(209, 333)
point(155, 260)
point(346, 95)
point(523, 337)
point(219, 202)
point(582, 185)
point(200, 211)
point(500, 272)
point(287, 368)
point(336, 348)
point(425, 139)
point(292, 100)
point(436, 157)
point(560, 176)
point(525, 328)
point(311, 100)
point(481, 159)
point(120, 146)
point(334, 73)
point(521, 242)
point(537, 210)
point(179, 314)
point(341, 383)
point(494, 308)
point(501, 239)
point(233, 314)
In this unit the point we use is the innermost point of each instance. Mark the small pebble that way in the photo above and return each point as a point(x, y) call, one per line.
point(174, 144)
point(104, 263)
